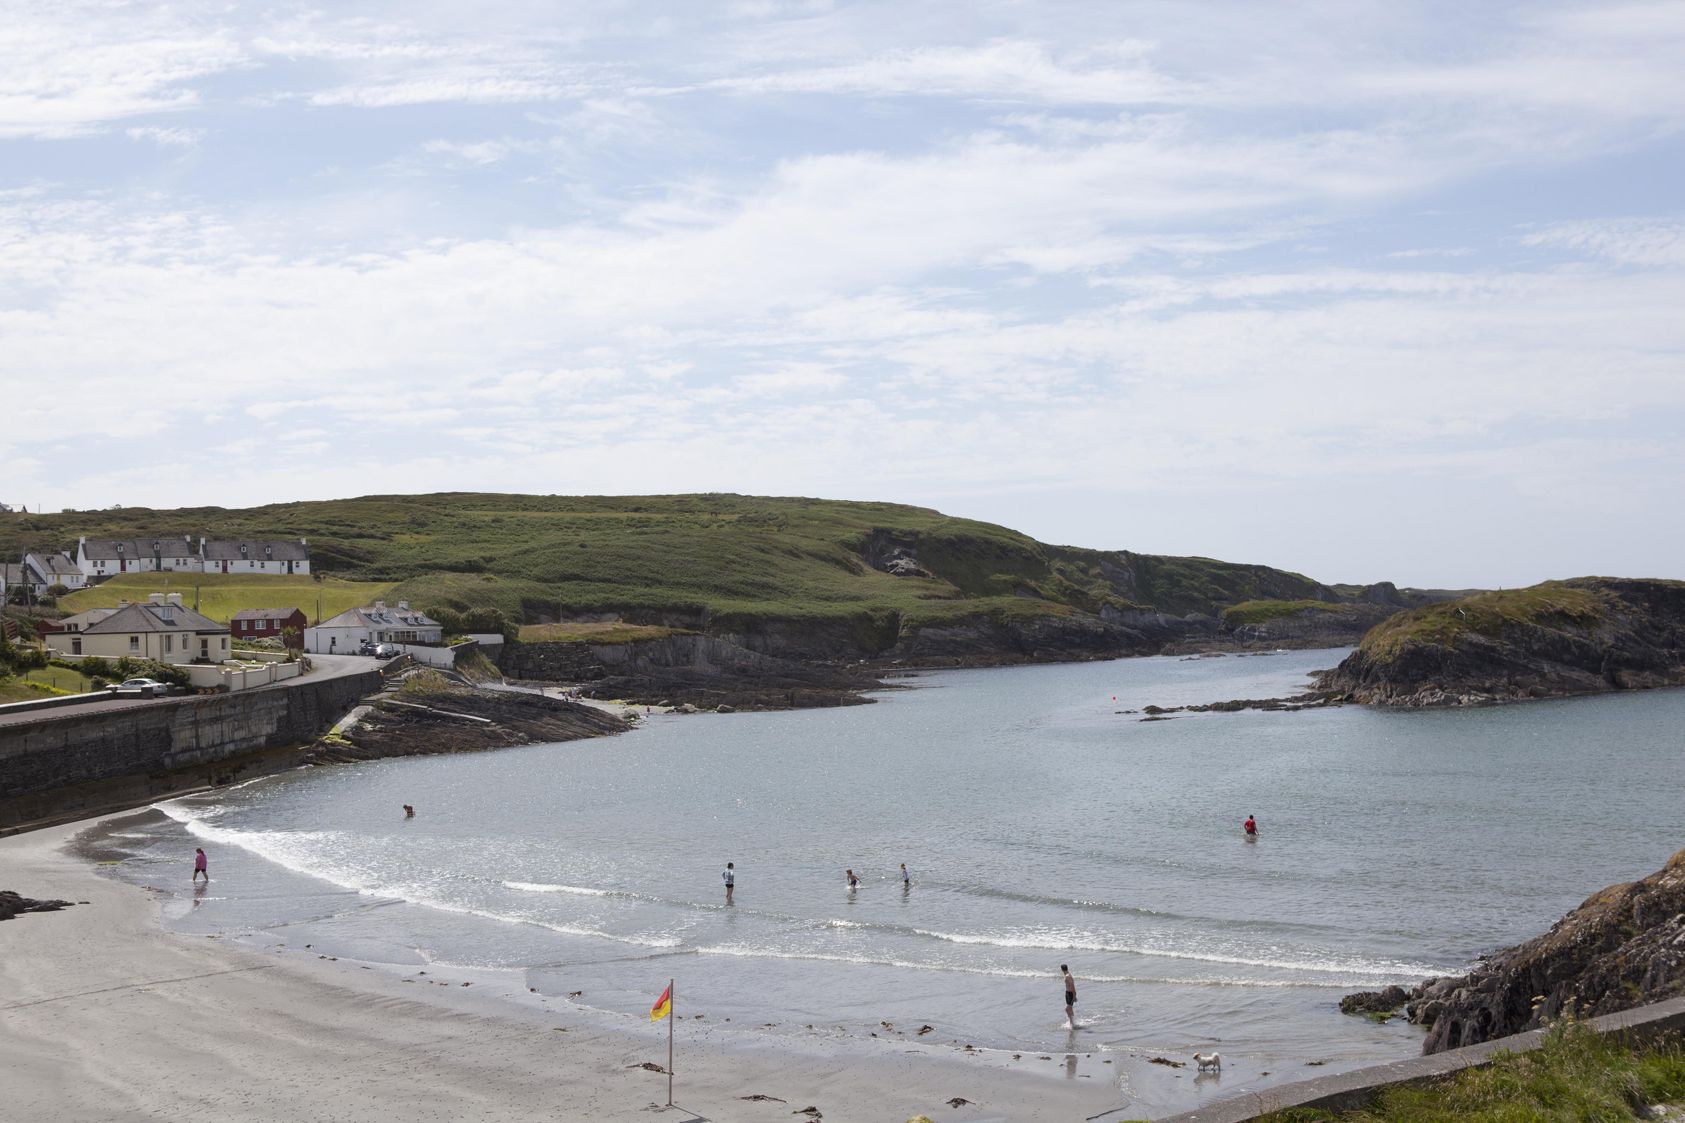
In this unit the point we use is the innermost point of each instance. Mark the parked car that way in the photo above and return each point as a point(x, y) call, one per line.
point(387, 651)
point(145, 687)
point(366, 647)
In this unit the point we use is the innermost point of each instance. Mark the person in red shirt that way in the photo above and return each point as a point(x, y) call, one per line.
point(1250, 827)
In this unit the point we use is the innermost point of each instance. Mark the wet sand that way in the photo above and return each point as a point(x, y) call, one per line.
point(104, 1015)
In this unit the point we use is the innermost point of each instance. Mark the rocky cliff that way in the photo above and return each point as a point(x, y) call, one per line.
point(1624, 947)
point(1587, 635)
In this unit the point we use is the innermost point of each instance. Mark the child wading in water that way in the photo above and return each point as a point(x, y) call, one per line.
point(200, 865)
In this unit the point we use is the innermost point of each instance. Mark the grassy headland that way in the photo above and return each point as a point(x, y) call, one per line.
point(701, 559)
point(1584, 635)
point(1551, 604)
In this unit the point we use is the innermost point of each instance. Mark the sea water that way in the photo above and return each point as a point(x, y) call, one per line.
point(1040, 824)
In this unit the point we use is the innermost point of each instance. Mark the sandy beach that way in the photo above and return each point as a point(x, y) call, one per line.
point(104, 1015)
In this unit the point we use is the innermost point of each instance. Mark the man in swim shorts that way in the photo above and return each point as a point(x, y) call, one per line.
point(1070, 995)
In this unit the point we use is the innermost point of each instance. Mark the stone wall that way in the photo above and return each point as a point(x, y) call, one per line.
point(81, 762)
point(1355, 1090)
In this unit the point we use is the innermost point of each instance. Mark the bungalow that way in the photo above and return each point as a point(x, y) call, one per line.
point(285, 624)
point(75, 623)
point(162, 629)
point(57, 569)
point(235, 556)
point(101, 557)
point(348, 631)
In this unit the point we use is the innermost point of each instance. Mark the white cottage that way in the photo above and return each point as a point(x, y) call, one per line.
point(102, 557)
point(346, 633)
point(251, 556)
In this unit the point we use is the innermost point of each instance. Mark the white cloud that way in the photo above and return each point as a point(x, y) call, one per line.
point(72, 67)
point(1629, 241)
point(166, 138)
point(1004, 70)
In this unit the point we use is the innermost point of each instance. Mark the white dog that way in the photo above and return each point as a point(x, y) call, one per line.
point(1212, 1061)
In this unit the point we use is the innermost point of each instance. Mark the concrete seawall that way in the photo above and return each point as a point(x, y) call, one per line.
point(1352, 1091)
point(64, 766)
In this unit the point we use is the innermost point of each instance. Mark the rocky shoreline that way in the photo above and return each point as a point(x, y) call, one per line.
point(432, 715)
point(1623, 947)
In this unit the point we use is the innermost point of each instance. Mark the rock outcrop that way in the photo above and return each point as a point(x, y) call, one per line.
point(1624, 947)
point(454, 719)
point(14, 904)
point(1584, 636)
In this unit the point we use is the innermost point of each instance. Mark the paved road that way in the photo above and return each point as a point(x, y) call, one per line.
point(325, 667)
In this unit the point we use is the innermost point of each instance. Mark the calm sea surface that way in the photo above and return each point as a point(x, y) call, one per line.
point(1040, 826)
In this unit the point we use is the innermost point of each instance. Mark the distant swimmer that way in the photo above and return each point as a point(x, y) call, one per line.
point(730, 876)
point(201, 867)
point(906, 878)
point(853, 882)
point(1250, 827)
point(1070, 996)
point(409, 812)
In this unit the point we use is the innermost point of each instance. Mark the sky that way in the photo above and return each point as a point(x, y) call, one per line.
point(1367, 290)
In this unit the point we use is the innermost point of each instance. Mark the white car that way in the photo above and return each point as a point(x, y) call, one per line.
point(387, 651)
point(146, 687)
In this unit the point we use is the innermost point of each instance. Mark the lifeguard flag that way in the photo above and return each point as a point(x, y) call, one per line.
point(663, 1006)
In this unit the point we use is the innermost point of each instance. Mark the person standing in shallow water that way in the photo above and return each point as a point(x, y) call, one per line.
point(730, 876)
point(1250, 827)
point(409, 812)
point(1070, 996)
point(853, 882)
point(906, 878)
point(201, 866)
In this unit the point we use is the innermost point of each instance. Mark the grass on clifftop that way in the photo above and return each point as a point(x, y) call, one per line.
point(1574, 1077)
point(1551, 604)
point(593, 633)
point(221, 595)
point(1260, 611)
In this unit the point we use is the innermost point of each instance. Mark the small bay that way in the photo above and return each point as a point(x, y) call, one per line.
point(1041, 826)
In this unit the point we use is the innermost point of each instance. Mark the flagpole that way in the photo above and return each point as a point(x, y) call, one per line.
point(671, 1018)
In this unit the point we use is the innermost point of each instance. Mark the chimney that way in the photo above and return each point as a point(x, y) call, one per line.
point(175, 599)
point(403, 606)
point(155, 598)
point(380, 606)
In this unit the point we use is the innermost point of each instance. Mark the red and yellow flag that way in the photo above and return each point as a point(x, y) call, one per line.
point(663, 1006)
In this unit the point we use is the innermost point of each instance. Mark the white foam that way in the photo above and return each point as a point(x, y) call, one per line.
point(540, 887)
point(304, 852)
point(1017, 973)
point(1052, 942)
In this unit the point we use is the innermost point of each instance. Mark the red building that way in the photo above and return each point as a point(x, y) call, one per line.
point(270, 623)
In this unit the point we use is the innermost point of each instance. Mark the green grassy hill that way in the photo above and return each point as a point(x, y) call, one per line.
point(221, 595)
point(707, 561)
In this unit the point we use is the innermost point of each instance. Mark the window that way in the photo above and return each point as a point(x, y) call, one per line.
point(134, 643)
point(169, 643)
point(225, 643)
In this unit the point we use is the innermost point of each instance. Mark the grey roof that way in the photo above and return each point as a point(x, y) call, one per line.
point(169, 546)
point(381, 618)
point(13, 574)
point(51, 565)
point(228, 549)
point(151, 618)
point(266, 613)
